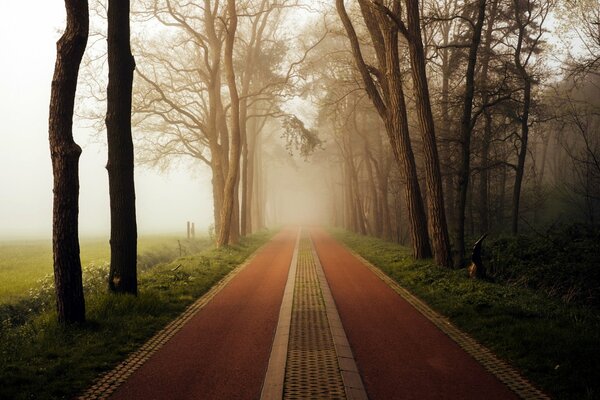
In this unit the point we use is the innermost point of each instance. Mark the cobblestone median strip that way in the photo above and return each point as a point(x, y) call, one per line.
point(503, 371)
point(108, 383)
point(312, 370)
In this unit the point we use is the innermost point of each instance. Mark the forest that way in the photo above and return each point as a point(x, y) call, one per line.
point(455, 144)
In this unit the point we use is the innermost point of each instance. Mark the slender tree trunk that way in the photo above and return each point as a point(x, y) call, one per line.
point(520, 170)
point(435, 195)
point(123, 228)
point(244, 181)
point(484, 174)
point(250, 171)
point(488, 119)
point(261, 183)
point(65, 154)
point(377, 218)
point(466, 129)
point(523, 118)
point(234, 158)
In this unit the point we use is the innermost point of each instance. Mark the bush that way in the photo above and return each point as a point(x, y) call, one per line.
point(563, 263)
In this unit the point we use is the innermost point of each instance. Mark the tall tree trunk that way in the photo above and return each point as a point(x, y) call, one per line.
point(523, 118)
point(520, 170)
point(488, 119)
point(258, 222)
point(376, 210)
point(435, 195)
point(234, 159)
point(466, 129)
point(249, 184)
point(244, 228)
point(123, 229)
point(65, 154)
point(391, 107)
point(484, 174)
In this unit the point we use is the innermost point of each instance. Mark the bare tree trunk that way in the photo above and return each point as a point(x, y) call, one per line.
point(466, 129)
point(123, 228)
point(377, 217)
point(435, 195)
point(391, 107)
point(487, 129)
point(65, 154)
point(234, 159)
point(523, 118)
point(249, 184)
point(520, 170)
point(244, 176)
point(260, 183)
point(484, 174)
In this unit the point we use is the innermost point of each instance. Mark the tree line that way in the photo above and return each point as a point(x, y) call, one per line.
point(482, 128)
point(436, 121)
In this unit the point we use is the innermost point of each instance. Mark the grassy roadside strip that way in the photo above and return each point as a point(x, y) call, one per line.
point(42, 360)
point(556, 346)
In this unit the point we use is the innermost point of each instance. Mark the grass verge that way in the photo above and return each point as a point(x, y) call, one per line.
point(555, 345)
point(42, 360)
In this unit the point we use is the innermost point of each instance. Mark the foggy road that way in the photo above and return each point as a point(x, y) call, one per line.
point(378, 347)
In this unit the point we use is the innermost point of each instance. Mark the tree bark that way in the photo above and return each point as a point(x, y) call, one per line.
point(435, 195)
point(523, 118)
point(488, 119)
point(65, 154)
point(466, 128)
point(123, 229)
point(235, 147)
point(391, 107)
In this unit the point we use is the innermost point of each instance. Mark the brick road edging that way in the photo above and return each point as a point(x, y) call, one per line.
point(109, 382)
point(484, 356)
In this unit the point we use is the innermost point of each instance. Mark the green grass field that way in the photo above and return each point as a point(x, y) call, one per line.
point(24, 263)
point(43, 360)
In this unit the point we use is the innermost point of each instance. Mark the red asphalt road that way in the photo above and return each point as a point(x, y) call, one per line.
point(223, 351)
point(400, 354)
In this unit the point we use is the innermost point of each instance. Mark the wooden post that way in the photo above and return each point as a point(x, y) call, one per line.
point(188, 230)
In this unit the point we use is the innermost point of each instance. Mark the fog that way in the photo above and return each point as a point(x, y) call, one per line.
point(323, 153)
point(165, 201)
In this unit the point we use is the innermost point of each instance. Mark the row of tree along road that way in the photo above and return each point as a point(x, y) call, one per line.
point(436, 120)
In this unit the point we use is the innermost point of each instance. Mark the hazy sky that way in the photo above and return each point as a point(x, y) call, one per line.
point(28, 35)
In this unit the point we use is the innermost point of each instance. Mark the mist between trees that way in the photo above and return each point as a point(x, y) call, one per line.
point(420, 122)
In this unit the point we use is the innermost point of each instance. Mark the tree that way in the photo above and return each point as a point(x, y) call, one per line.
point(467, 123)
point(435, 194)
point(529, 19)
point(389, 102)
point(120, 166)
point(235, 148)
point(65, 154)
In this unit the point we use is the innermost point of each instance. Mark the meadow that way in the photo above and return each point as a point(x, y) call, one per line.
point(42, 359)
point(24, 263)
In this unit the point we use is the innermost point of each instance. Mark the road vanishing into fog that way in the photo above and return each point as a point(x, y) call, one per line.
point(307, 319)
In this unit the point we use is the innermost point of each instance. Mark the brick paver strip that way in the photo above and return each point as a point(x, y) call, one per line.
point(503, 371)
point(312, 370)
point(109, 382)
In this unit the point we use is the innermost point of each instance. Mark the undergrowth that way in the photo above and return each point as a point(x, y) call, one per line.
point(43, 360)
point(554, 344)
point(562, 262)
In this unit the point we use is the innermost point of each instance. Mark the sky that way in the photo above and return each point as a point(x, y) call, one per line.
point(165, 201)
